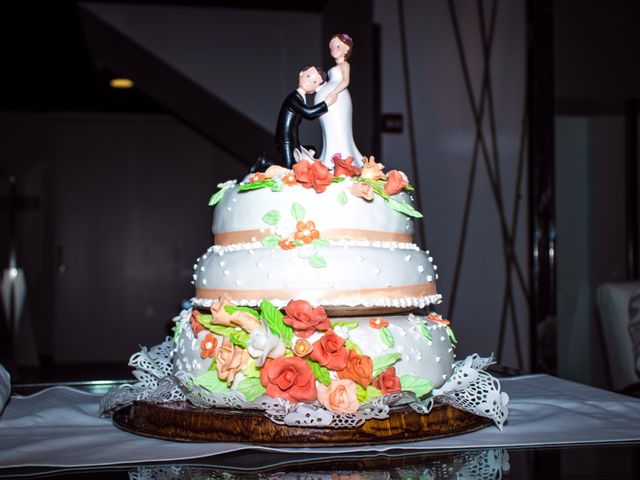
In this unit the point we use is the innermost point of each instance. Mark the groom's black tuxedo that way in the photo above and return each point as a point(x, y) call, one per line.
point(292, 112)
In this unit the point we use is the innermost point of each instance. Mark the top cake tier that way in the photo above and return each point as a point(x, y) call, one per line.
point(337, 241)
point(243, 217)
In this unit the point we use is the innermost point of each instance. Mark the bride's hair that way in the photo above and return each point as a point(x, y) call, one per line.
point(321, 72)
point(347, 40)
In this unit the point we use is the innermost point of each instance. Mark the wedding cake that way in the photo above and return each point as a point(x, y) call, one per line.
point(313, 306)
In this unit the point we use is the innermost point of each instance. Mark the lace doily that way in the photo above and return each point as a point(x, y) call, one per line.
point(469, 388)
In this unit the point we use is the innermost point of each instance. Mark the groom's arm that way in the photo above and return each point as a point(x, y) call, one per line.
point(309, 113)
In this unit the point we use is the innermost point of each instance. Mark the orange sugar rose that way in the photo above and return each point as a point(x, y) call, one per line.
point(313, 175)
point(290, 378)
point(257, 177)
point(305, 319)
point(396, 181)
point(302, 348)
point(329, 351)
point(342, 167)
point(359, 369)
point(362, 190)
point(388, 382)
point(230, 359)
point(339, 397)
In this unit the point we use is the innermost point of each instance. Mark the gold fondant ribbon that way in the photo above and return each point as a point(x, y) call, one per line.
point(314, 296)
point(246, 236)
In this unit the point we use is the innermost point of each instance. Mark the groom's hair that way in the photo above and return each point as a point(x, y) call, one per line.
point(321, 72)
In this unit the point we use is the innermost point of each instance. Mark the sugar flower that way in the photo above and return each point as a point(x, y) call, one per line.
point(264, 344)
point(230, 359)
point(305, 319)
point(290, 378)
point(372, 170)
point(339, 397)
point(396, 181)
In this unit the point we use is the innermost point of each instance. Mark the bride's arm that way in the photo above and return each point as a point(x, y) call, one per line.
point(346, 68)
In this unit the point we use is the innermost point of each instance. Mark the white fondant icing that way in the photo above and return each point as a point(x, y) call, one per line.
point(250, 208)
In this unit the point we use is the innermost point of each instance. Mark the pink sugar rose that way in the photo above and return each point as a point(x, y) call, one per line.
point(339, 397)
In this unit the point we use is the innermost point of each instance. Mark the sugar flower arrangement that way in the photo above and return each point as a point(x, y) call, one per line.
point(366, 182)
point(299, 355)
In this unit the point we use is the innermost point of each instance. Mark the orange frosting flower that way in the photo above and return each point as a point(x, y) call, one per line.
point(329, 351)
point(343, 167)
point(396, 181)
point(290, 179)
point(230, 359)
point(313, 175)
point(256, 177)
point(290, 378)
point(208, 346)
point(436, 317)
point(363, 190)
point(359, 369)
point(305, 319)
point(196, 326)
point(340, 396)
point(388, 382)
point(378, 323)
point(372, 170)
point(306, 231)
point(286, 244)
point(302, 348)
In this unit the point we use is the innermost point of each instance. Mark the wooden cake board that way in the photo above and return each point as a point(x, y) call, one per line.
point(182, 422)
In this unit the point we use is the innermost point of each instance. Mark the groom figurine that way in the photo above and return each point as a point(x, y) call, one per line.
point(294, 109)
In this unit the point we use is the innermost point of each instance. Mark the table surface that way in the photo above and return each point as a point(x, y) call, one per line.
point(60, 427)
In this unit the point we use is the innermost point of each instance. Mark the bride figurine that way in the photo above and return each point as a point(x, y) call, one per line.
point(337, 135)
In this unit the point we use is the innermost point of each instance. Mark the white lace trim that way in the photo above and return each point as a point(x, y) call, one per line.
point(417, 302)
point(469, 388)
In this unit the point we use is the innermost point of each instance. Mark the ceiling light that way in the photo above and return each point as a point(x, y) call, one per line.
point(121, 83)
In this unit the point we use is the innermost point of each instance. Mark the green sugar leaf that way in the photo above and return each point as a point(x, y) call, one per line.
point(271, 241)
point(351, 345)
point(338, 179)
point(177, 328)
point(251, 388)
point(381, 363)
point(452, 337)
point(320, 242)
point(425, 331)
point(211, 382)
point(275, 322)
point(216, 197)
point(321, 373)
point(417, 385)
point(402, 207)
point(342, 198)
point(298, 243)
point(230, 309)
point(369, 393)
point(272, 217)
point(240, 339)
point(256, 185)
point(387, 337)
point(350, 325)
point(297, 211)
point(251, 371)
point(204, 320)
point(317, 261)
point(277, 187)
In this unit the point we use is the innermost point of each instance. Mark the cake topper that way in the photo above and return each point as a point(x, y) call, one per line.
point(337, 134)
point(294, 109)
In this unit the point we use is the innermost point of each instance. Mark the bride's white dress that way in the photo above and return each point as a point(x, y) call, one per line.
point(337, 133)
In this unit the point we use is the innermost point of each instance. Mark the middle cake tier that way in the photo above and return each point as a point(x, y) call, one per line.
point(345, 273)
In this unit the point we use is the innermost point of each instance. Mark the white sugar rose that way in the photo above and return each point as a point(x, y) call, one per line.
point(264, 344)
